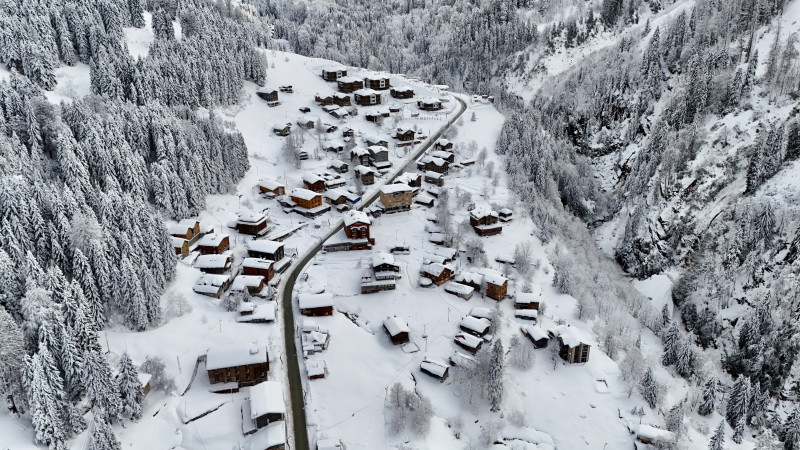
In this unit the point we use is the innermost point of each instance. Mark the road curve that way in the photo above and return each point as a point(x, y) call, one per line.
point(286, 287)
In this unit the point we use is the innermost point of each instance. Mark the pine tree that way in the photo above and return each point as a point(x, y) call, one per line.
point(102, 437)
point(130, 389)
point(683, 360)
point(709, 397)
point(649, 388)
point(738, 431)
point(790, 432)
point(496, 376)
point(100, 386)
point(671, 345)
point(737, 407)
point(718, 439)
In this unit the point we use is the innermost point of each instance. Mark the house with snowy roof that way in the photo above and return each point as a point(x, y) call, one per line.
point(404, 134)
point(458, 289)
point(359, 155)
point(367, 97)
point(212, 285)
point(397, 329)
point(213, 243)
point(251, 222)
point(445, 155)
point(365, 174)
point(315, 304)
point(251, 284)
point(429, 104)
point(484, 221)
point(538, 337)
point(412, 179)
point(309, 203)
point(437, 273)
point(217, 264)
point(443, 144)
point(268, 94)
point(261, 267)
point(379, 156)
point(251, 313)
point(396, 197)
point(265, 249)
point(333, 73)
point(476, 326)
point(434, 178)
point(377, 82)
point(339, 166)
point(371, 140)
point(384, 265)
point(505, 215)
point(357, 226)
point(314, 182)
point(271, 437)
point(244, 365)
point(496, 283)
point(468, 342)
point(573, 345)
point(348, 85)
point(526, 300)
point(282, 129)
point(402, 92)
point(435, 368)
point(180, 245)
point(267, 403)
point(267, 186)
point(185, 229)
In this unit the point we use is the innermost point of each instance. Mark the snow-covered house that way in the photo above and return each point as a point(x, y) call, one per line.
point(316, 369)
point(384, 265)
point(505, 215)
point(218, 264)
point(573, 345)
point(330, 444)
point(372, 140)
point(349, 85)
point(333, 73)
point(213, 243)
point(650, 435)
point(402, 92)
point(282, 129)
point(268, 94)
point(367, 97)
point(538, 337)
point(240, 364)
point(265, 249)
point(252, 313)
point(461, 290)
point(435, 368)
point(314, 341)
point(484, 221)
point(434, 178)
point(365, 174)
point(251, 222)
point(180, 245)
point(316, 304)
point(437, 273)
point(252, 284)
point(397, 330)
point(404, 134)
point(212, 285)
point(433, 164)
point(468, 342)
point(339, 166)
point(308, 203)
point(185, 229)
point(267, 404)
point(396, 197)
point(476, 326)
point(377, 82)
point(271, 437)
point(335, 197)
point(379, 156)
point(450, 157)
point(314, 182)
point(496, 283)
point(259, 267)
point(443, 144)
point(526, 300)
point(357, 225)
point(470, 278)
point(414, 180)
point(273, 187)
point(429, 104)
point(359, 155)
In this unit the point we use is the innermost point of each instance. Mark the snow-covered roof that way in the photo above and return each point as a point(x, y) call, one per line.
point(443, 142)
point(395, 188)
point(315, 368)
point(249, 216)
point(468, 340)
point(492, 276)
point(443, 154)
point(481, 212)
point(349, 79)
point(312, 178)
point(245, 307)
point(403, 130)
point(266, 398)
point(180, 228)
point(304, 194)
point(363, 170)
point(571, 336)
point(535, 333)
point(403, 89)
point(212, 261)
point(506, 212)
point(428, 100)
point(447, 252)
point(434, 366)
point(337, 163)
point(355, 216)
point(654, 434)
point(257, 263)
point(333, 68)
point(475, 324)
point(341, 95)
point(469, 277)
point(211, 239)
point(373, 138)
point(526, 298)
point(334, 194)
point(480, 312)
point(272, 435)
point(396, 326)
point(315, 300)
point(377, 149)
point(376, 77)
point(144, 378)
point(212, 280)
point(406, 177)
point(264, 246)
point(436, 161)
point(242, 282)
point(265, 89)
point(366, 92)
point(433, 175)
point(176, 241)
point(434, 269)
point(235, 355)
point(458, 288)
point(359, 151)
point(329, 444)
point(379, 258)
point(429, 259)
point(269, 184)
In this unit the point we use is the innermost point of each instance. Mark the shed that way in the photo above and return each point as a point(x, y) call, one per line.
point(458, 289)
point(316, 369)
point(397, 330)
point(316, 304)
point(474, 325)
point(267, 404)
point(435, 368)
point(526, 300)
point(218, 264)
point(282, 129)
point(538, 337)
point(265, 249)
point(268, 94)
point(468, 342)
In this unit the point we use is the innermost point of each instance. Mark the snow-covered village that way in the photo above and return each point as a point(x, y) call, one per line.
point(466, 224)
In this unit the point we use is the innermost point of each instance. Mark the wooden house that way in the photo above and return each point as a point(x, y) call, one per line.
point(270, 437)
point(496, 284)
point(260, 267)
point(384, 265)
point(433, 164)
point(218, 264)
point(252, 284)
point(357, 226)
point(316, 369)
point(450, 157)
point(348, 132)
point(335, 147)
point(526, 300)
point(402, 92)
point(267, 186)
point(404, 134)
point(212, 285)
point(573, 346)
point(341, 99)
point(438, 273)
point(379, 156)
point(359, 155)
point(251, 222)
point(365, 174)
point(370, 284)
point(476, 326)
point(308, 203)
point(505, 215)
point(339, 166)
point(468, 342)
point(213, 243)
point(458, 289)
point(307, 122)
point(374, 117)
point(180, 245)
point(313, 182)
point(437, 369)
point(424, 200)
point(397, 330)
point(267, 403)
point(288, 88)
point(282, 129)
point(265, 249)
point(367, 97)
point(377, 82)
point(443, 144)
point(268, 94)
point(241, 364)
point(185, 229)
point(429, 104)
point(485, 222)
point(372, 140)
point(396, 197)
point(434, 178)
point(335, 197)
point(333, 73)
point(315, 304)
point(348, 85)
point(323, 100)
point(538, 337)
point(414, 180)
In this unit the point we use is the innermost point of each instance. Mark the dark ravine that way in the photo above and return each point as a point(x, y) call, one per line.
point(296, 401)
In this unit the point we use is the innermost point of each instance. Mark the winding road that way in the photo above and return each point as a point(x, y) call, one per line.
point(286, 287)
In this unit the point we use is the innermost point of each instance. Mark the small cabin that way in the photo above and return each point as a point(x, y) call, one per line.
point(402, 92)
point(316, 369)
point(437, 369)
point(282, 129)
point(252, 284)
point(538, 337)
point(434, 164)
point(450, 157)
point(185, 229)
point(265, 249)
point(260, 267)
point(341, 99)
point(505, 215)
point(424, 200)
point(367, 97)
point(437, 273)
point(429, 104)
point(357, 225)
point(333, 73)
point(414, 180)
point(384, 265)
point(365, 174)
point(315, 304)
point(434, 178)
point(573, 346)
point(405, 134)
point(335, 197)
point(213, 243)
point(377, 82)
point(349, 85)
point(330, 444)
point(339, 166)
point(306, 198)
point(485, 222)
point(526, 300)
point(307, 122)
point(468, 342)
point(313, 183)
point(180, 245)
point(271, 187)
point(378, 155)
point(288, 88)
point(496, 284)
point(458, 289)
point(476, 326)
point(251, 222)
point(359, 155)
point(217, 264)
point(268, 94)
point(212, 285)
point(267, 403)
point(375, 141)
point(241, 364)
point(443, 144)
point(397, 330)
point(396, 197)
